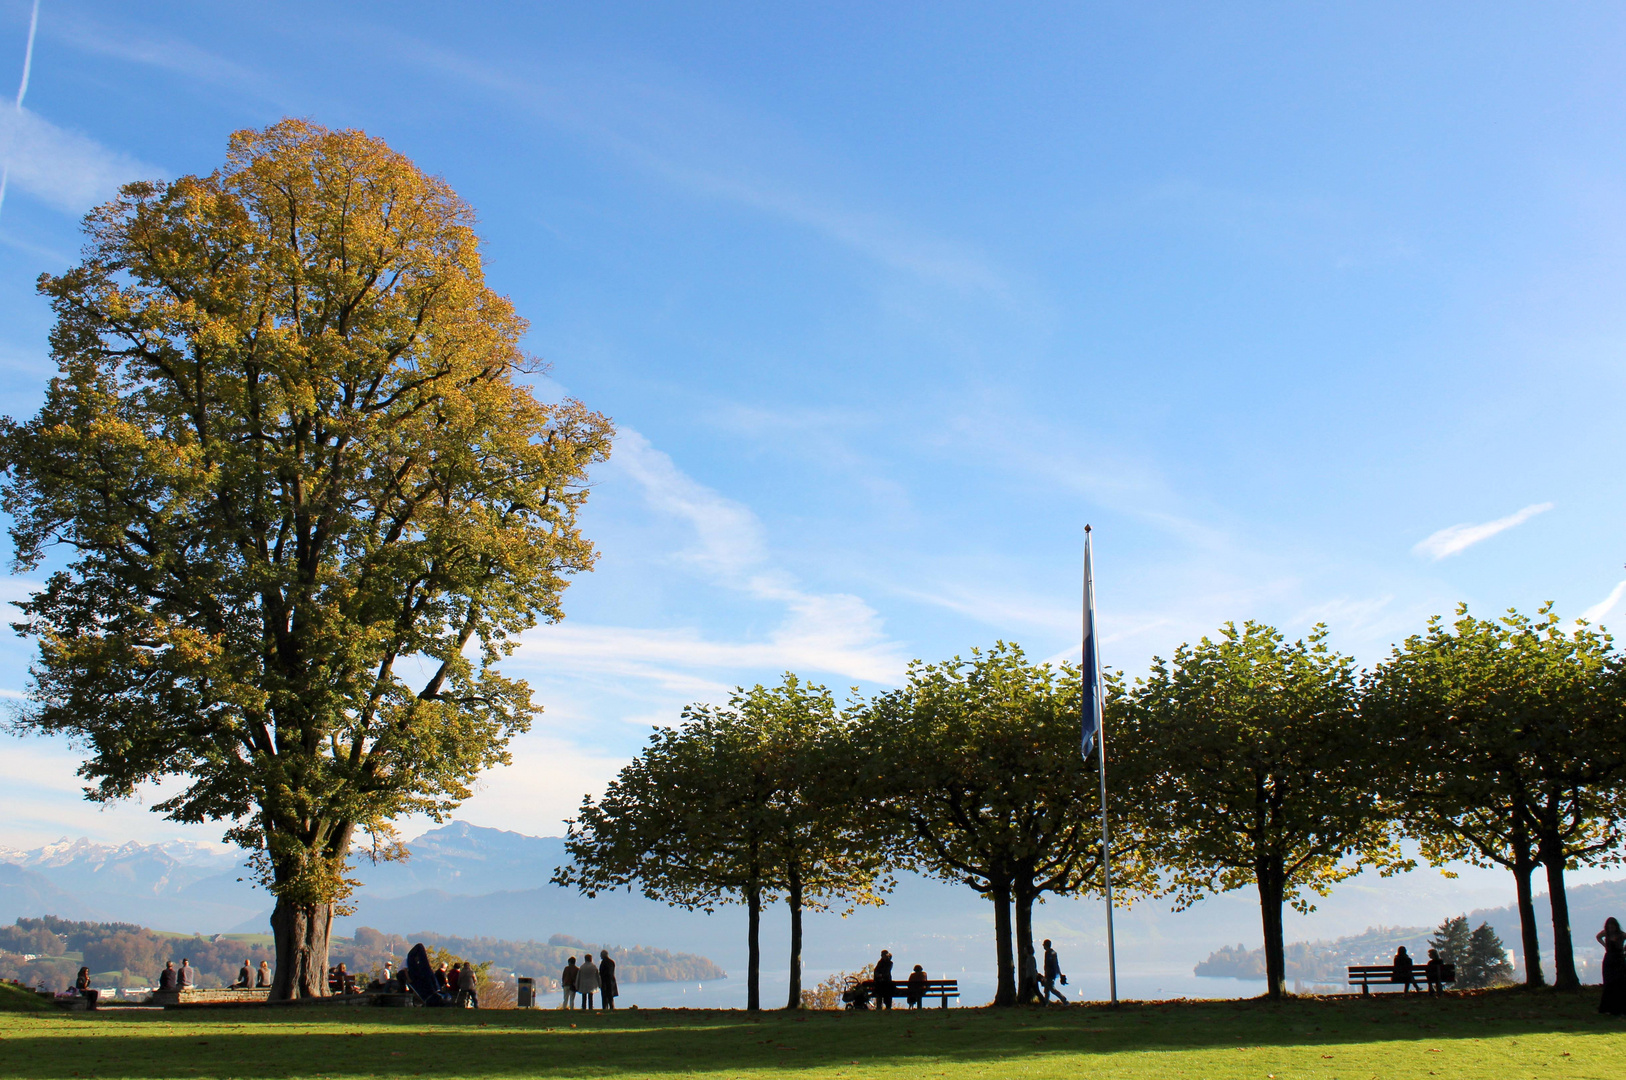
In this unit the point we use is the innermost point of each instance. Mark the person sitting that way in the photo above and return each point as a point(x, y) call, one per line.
point(187, 976)
point(1403, 971)
point(1434, 973)
point(245, 977)
point(262, 980)
point(166, 978)
point(916, 991)
point(342, 976)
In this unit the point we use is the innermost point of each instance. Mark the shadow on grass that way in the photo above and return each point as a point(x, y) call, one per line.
point(344, 1043)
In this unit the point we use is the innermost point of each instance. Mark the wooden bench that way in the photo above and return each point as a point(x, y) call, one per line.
point(1368, 975)
point(941, 989)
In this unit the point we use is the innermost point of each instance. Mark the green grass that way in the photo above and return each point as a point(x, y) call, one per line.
point(20, 999)
point(1502, 1035)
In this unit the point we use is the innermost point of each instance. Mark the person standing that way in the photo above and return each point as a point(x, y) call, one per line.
point(567, 980)
point(469, 987)
point(608, 989)
point(1052, 974)
point(187, 976)
point(587, 981)
point(1614, 968)
point(1027, 976)
point(441, 978)
point(883, 981)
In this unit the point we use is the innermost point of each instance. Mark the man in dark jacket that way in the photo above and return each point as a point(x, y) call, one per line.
point(608, 989)
point(166, 978)
point(1052, 974)
point(883, 981)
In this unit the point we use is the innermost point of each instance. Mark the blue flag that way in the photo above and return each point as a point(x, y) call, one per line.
point(1090, 701)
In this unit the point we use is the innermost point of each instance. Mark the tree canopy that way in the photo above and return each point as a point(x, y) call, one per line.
point(1514, 735)
point(306, 506)
point(1262, 770)
point(978, 761)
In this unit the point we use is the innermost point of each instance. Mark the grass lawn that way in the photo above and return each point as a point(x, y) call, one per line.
point(1501, 1035)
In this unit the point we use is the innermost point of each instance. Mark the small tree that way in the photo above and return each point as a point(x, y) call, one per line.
point(1486, 963)
point(1261, 771)
point(307, 508)
point(1452, 941)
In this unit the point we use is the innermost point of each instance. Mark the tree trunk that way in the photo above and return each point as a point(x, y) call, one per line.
point(1552, 857)
point(1005, 990)
point(753, 962)
point(1523, 866)
point(301, 932)
point(1269, 874)
point(795, 891)
point(1026, 988)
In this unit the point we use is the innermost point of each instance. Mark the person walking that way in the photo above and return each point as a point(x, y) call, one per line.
point(567, 980)
point(1614, 968)
point(187, 976)
point(1052, 974)
point(883, 981)
point(608, 988)
point(262, 981)
point(587, 981)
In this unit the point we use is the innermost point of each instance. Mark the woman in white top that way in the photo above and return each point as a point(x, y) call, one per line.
point(587, 981)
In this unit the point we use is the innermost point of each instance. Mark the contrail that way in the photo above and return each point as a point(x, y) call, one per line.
point(22, 88)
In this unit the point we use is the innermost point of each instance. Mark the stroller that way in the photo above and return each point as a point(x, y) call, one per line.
point(856, 997)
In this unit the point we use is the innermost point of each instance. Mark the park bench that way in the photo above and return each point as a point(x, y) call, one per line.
point(1369, 975)
point(941, 989)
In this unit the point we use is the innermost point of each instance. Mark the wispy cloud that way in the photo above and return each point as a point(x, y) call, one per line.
point(834, 633)
point(1457, 538)
point(62, 168)
point(715, 150)
point(1596, 612)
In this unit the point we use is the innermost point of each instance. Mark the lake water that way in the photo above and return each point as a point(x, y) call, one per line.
point(976, 988)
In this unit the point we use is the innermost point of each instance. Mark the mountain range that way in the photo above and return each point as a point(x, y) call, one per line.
point(465, 880)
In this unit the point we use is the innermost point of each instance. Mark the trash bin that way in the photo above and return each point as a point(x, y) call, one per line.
point(526, 996)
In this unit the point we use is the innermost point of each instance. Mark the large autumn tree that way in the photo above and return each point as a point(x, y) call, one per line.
point(1259, 769)
point(305, 504)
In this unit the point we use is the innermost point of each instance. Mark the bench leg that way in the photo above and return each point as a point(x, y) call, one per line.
point(1365, 989)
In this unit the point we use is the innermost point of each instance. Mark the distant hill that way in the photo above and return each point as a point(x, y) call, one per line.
point(1324, 961)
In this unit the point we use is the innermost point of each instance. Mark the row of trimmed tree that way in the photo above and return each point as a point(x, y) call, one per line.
point(1247, 759)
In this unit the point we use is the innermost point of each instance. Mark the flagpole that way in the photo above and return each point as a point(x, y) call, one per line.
point(1092, 682)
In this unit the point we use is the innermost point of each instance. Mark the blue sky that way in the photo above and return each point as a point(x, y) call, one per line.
point(888, 301)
